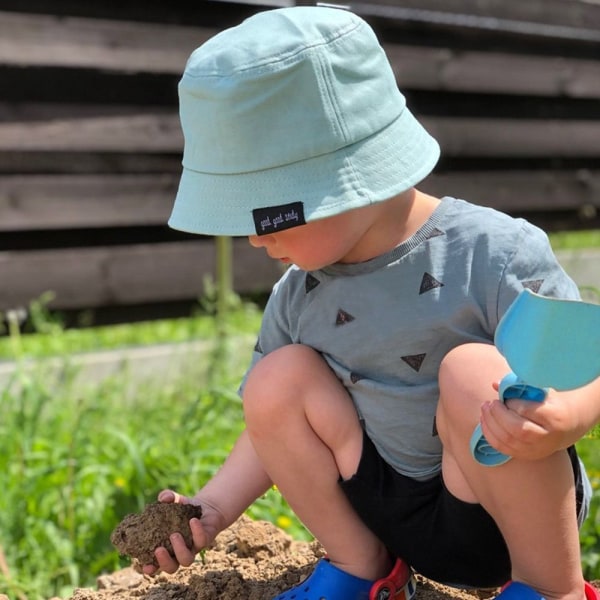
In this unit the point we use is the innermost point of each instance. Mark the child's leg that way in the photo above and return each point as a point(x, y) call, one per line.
point(532, 502)
point(306, 432)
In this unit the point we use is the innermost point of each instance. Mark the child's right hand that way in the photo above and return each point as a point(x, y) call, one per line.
point(204, 531)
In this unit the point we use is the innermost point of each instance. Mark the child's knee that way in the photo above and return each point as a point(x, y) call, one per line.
point(456, 368)
point(466, 376)
point(467, 367)
point(276, 377)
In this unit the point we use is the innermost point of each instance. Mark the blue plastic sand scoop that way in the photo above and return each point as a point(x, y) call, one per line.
point(547, 342)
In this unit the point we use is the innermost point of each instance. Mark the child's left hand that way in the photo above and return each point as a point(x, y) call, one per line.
point(529, 430)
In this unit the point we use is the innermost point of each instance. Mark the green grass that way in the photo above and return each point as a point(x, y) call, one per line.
point(575, 240)
point(589, 451)
point(75, 459)
point(50, 338)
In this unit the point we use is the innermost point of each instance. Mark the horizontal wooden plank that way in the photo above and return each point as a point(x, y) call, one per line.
point(34, 162)
point(123, 275)
point(522, 191)
point(55, 111)
point(516, 138)
point(144, 132)
point(47, 40)
point(161, 132)
point(30, 202)
point(43, 202)
point(445, 69)
point(571, 18)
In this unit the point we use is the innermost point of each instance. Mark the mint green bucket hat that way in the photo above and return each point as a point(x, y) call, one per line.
point(292, 116)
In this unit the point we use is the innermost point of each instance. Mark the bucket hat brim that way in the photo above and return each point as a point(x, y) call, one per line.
point(372, 170)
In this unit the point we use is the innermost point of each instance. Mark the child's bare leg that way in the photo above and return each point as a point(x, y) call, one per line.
point(533, 502)
point(306, 432)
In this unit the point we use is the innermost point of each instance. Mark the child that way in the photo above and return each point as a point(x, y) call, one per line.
point(375, 360)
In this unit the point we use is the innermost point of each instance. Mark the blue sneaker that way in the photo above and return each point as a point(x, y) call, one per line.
point(516, 590)
point(327, 582)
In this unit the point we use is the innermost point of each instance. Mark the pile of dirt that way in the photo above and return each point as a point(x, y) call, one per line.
point(251, 560)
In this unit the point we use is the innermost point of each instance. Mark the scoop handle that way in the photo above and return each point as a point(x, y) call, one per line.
point(511, 387)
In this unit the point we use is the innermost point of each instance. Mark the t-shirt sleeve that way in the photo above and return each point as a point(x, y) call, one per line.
point(533, 265)
point(275, 328)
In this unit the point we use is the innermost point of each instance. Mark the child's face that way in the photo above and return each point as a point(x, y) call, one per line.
point(318, 243)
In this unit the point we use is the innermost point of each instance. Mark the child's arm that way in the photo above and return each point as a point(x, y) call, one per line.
point(224, 498)
point(532, 430)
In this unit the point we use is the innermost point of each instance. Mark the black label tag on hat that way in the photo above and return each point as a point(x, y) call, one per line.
point(277, 218)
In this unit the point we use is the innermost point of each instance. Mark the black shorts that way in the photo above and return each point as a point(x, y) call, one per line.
point(440, 536)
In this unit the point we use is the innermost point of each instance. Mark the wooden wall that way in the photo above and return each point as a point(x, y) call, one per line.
point(90, 142)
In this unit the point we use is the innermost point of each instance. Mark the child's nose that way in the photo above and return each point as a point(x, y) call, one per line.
point(258, 241)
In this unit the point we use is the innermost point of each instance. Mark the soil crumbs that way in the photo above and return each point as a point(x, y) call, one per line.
point(251, 560)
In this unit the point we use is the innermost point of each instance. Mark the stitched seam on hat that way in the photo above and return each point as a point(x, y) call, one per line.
point(310, 48)
point(359, 186)
point(272, 61)
point(325, 75)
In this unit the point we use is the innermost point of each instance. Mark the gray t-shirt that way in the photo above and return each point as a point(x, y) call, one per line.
point(384, 325)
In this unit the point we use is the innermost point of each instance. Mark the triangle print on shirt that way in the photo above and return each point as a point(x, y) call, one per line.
point(414, 361)
point(343, 318)
point(533, 284)
point(428, 283)
point(310, 283)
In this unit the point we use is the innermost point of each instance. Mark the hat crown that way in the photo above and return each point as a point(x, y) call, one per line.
point(284, 86)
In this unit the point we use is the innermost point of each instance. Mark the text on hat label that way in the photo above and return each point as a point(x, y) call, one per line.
point(272, 219)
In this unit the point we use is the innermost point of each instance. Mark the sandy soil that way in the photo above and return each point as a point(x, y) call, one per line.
point(252, 560)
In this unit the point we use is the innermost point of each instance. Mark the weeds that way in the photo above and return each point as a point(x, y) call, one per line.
point(75, 459)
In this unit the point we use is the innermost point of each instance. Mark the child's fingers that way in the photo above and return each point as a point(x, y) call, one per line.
point(198, 534)
point(507, 430)
point(150, 570)
point(183, 554)
point(166, 562)
point(172, 496)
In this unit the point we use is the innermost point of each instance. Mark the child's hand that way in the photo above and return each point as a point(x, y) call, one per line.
point(530, 430)
point(204, 531)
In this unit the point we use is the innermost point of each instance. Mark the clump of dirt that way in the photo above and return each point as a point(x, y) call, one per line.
point(251, 560)
point(138, 535)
